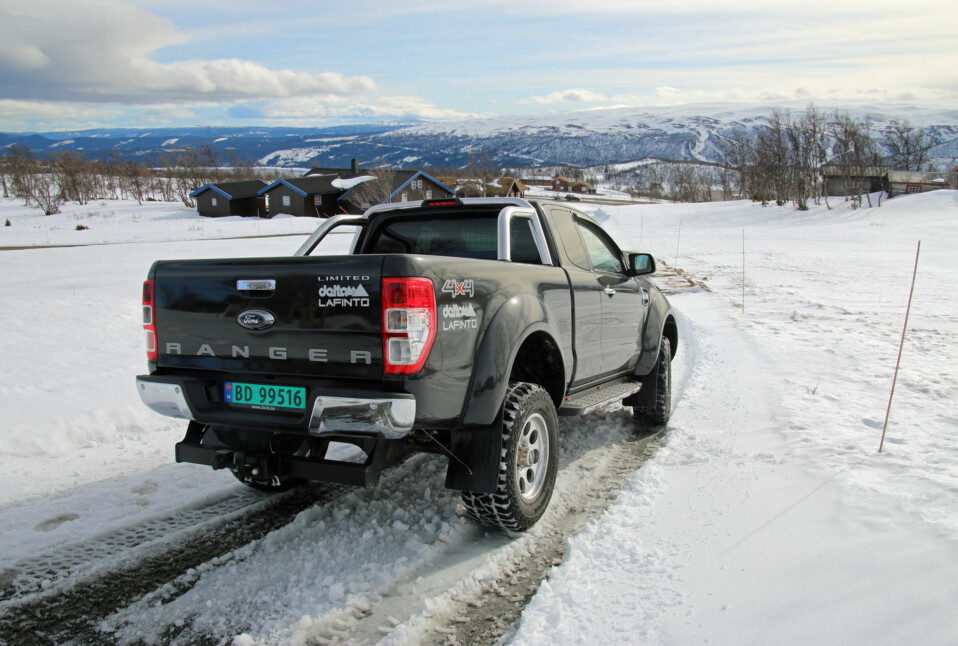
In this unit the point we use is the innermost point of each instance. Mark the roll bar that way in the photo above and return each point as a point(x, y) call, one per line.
point(511, 208)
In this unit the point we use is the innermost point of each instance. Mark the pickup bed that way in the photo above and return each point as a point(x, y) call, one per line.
point(457, 327)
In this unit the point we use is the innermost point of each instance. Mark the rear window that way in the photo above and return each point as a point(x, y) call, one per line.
point(462, 237)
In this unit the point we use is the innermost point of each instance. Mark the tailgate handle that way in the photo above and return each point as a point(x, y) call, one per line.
point(265, 285)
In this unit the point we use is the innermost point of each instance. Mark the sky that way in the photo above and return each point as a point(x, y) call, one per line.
point(75, 64)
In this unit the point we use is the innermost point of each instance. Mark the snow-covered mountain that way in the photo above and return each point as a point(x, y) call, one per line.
point(585, 138)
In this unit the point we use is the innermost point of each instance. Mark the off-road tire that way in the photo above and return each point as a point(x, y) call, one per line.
point(524, 489)
point(659, 413)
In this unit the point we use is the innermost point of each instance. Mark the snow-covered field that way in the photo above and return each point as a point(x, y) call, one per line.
point(766, 516)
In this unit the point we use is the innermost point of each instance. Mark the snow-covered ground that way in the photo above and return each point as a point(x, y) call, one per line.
point(767, 515)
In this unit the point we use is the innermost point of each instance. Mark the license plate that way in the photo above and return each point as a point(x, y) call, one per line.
point(266, 397)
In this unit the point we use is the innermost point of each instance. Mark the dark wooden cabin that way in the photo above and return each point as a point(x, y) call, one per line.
point(231, 198)
point(313, 196)
point(403, 186)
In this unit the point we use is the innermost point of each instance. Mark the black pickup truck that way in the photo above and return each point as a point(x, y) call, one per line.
point(456, 327)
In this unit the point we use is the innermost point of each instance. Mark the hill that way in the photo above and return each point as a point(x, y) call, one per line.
point(586, 138)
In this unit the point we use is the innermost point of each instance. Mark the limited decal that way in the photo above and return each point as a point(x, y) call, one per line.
point(459, 287)
point(338, 295)
point(459, 317)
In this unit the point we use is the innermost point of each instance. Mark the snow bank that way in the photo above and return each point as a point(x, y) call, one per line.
point(769, 516)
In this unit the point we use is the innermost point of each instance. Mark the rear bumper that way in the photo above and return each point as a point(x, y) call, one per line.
point(328, 413)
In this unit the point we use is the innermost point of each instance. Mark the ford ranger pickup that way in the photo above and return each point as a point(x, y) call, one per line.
point(463, 328)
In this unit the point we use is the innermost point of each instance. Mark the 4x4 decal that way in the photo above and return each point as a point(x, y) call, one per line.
point(459, 288)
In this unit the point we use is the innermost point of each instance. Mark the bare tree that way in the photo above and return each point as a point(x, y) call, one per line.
point(24, 173)
point(737, 151)
point(815, 134)
point(909, 146)
point(72, 174)
point(136, 180)
point(481, 168)
point(772, 159)
point(210, 161)
point(187, 175)
point(375, 191)
point(4, 171)
point(854, 153)
point(47, 195)
point(240, 170)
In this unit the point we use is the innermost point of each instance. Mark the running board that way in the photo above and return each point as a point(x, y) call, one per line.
point(598, 396)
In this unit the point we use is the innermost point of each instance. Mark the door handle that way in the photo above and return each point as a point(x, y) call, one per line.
point(609, 291)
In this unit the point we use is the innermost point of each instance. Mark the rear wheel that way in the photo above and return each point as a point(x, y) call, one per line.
point(660, 412)
point(528, 464)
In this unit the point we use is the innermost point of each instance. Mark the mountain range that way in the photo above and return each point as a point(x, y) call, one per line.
point(585, 138)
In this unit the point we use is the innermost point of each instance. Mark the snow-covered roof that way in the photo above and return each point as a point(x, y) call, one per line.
point(350, 182)
point(913, 177)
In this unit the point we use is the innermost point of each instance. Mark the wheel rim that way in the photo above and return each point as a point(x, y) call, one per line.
point(532, 457)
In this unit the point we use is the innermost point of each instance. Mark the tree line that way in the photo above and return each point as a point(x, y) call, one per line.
point(787, 160)
point(783, 161)
point(71, 177)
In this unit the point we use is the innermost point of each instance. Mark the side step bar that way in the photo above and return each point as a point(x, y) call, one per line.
point(592, 398)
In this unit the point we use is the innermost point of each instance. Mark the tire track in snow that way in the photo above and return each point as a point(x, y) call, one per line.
point(57, 567)
point(68, 610)
point(477, 620)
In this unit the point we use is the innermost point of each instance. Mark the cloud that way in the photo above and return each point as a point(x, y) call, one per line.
point(298, 109)
point(106, 50)
point(566, 96)
point(18, 116)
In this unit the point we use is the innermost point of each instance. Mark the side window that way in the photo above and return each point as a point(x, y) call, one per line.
point(601, 251)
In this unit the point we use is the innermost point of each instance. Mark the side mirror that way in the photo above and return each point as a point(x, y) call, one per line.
point(641, 264)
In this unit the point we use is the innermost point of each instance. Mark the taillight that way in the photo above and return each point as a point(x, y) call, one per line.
point(149, 323)
point(409, 324)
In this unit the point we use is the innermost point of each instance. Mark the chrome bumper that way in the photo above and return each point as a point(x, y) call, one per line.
point(389, 417)
point(165, 399)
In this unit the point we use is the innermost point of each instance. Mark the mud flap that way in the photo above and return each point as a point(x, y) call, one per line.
point(645, 396)
point(474, 464)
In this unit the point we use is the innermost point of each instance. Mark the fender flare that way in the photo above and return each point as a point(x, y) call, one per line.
point(477, 443)
point(515, 321)
point(660, 322)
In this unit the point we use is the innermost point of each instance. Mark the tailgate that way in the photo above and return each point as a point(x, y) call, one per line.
point(317, 316)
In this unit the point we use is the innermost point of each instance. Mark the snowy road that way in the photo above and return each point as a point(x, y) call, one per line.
point(324, 563)
point(764, 513)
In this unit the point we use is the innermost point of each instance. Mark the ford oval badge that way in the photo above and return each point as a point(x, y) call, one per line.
point(255, 319)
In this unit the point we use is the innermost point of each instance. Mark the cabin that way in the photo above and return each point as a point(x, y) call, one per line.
point(844, 181)
point(392, 186)
point(315, 196)
point(581, 187)
point(231, 198)
point(475, 187)
point(903, 182)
